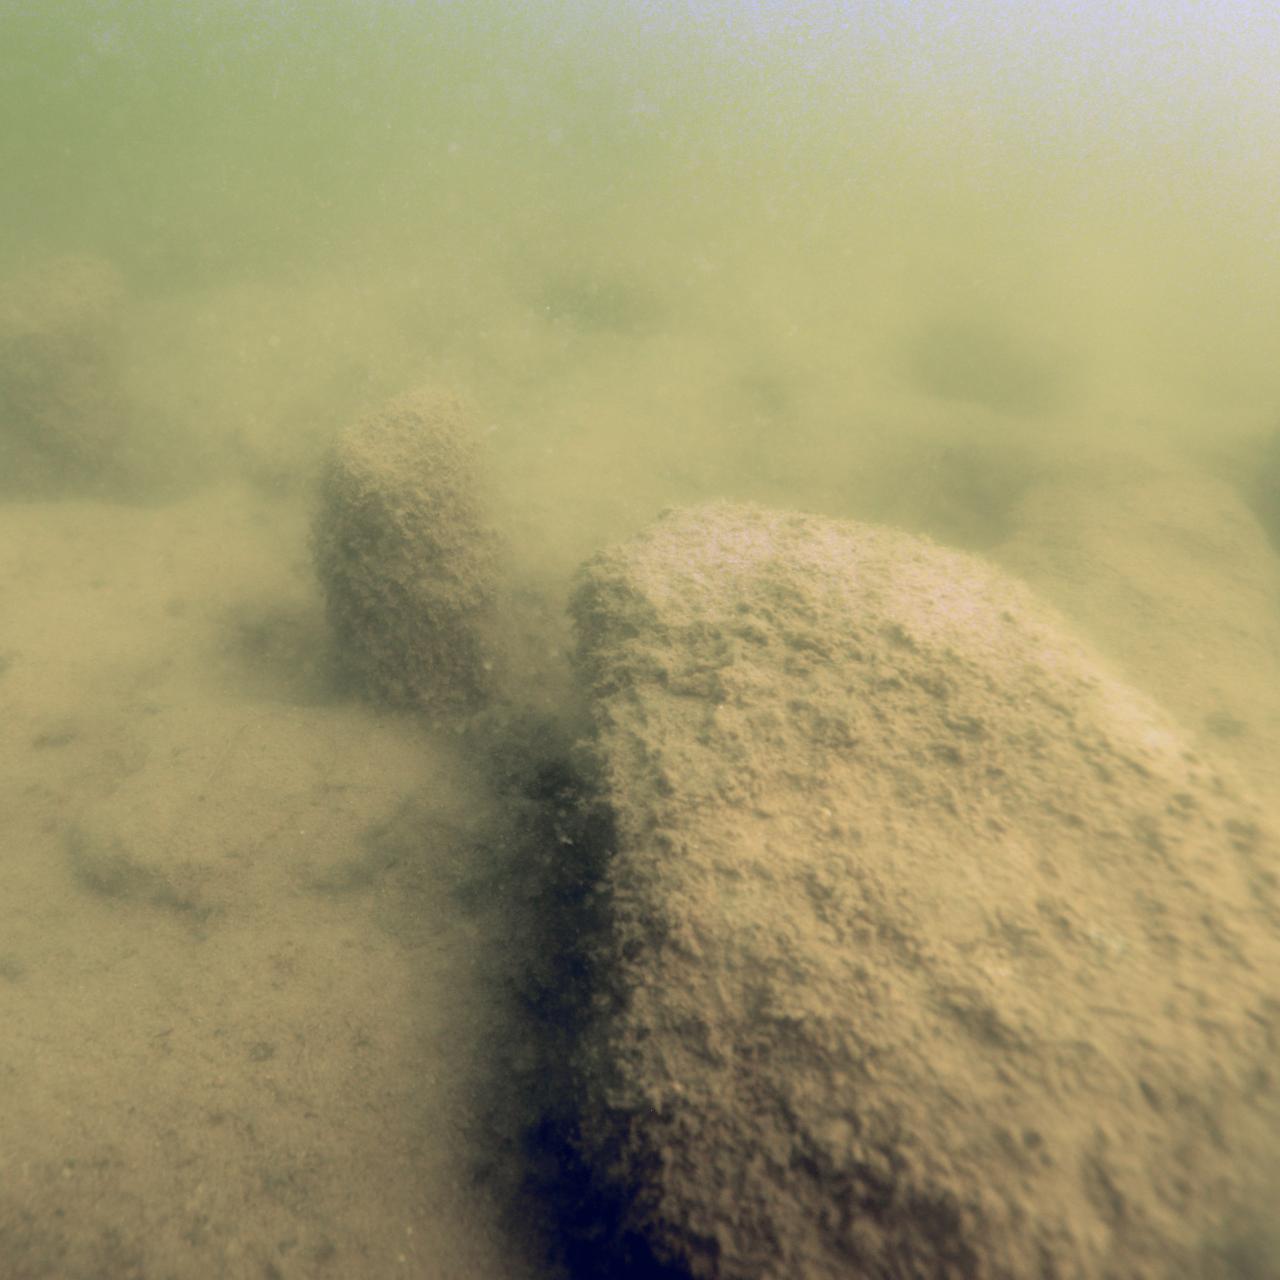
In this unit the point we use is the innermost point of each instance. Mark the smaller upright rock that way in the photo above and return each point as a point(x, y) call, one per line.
point(406, 557)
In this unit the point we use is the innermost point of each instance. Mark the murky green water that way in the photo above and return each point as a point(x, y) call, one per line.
point(1005, 273)
point(1046, 208)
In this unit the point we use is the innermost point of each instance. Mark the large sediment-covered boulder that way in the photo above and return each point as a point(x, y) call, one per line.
point(407, 557)
point(64, 423)
point(925, 947)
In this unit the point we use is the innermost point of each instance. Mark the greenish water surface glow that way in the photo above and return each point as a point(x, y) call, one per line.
point(1099, 178)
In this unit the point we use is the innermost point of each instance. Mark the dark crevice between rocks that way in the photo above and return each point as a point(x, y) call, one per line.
point(554, 913)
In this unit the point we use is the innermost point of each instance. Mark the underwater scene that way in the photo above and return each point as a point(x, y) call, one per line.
point(639, 639)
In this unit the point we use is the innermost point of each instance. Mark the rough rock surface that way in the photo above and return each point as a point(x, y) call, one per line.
point(406, 556)
point(930, 948)
point(63, 420)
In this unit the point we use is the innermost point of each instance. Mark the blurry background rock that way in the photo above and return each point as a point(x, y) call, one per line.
point(406, 556)
point(973, 358)
point(1170, 571)
point(64, 420)
point(1264, 486)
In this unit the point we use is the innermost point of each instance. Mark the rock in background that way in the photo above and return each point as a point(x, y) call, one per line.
point(923, 946)
point(407, 557)
point(1264, 486)
point(64, 421)
point(1172, 574)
